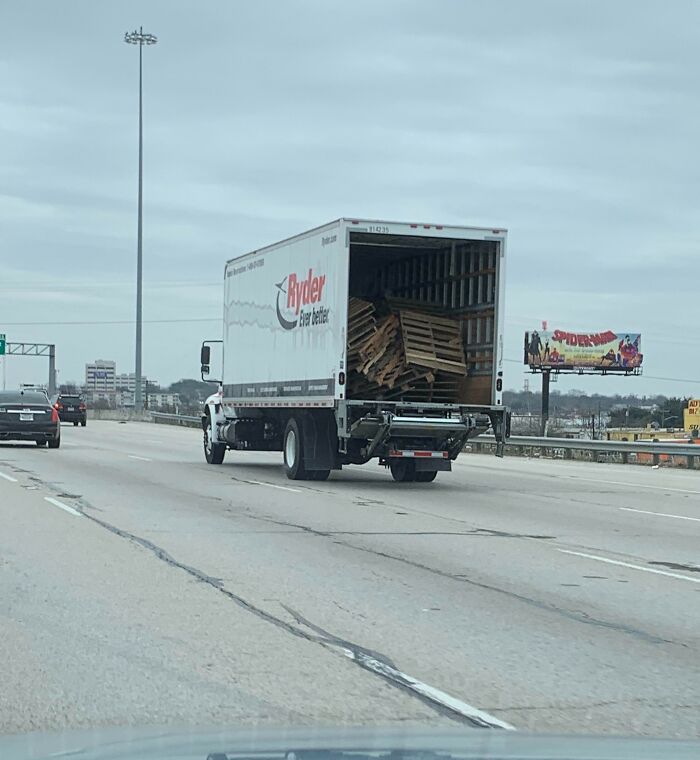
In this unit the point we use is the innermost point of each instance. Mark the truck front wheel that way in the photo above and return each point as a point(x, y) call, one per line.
point(213, 451)
point(403, 470)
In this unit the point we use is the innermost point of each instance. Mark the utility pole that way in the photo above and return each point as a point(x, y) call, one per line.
point(139, 38)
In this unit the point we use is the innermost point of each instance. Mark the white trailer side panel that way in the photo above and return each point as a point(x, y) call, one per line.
point(285, 312)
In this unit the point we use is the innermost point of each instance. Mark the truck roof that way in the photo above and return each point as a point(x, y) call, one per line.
point(416, 228)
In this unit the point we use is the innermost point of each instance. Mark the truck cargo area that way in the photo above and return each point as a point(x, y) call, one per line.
point(421, 319)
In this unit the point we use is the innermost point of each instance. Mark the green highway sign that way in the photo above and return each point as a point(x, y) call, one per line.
point(2, 344)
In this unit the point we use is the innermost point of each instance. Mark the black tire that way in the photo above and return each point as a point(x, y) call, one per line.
point(83, 423)
point(403, 470)
point(319, 474)
point(41, 443)
point(213, 452)
point(426, 477)
point(75, 423)
point(54, 443)
point(292, 447)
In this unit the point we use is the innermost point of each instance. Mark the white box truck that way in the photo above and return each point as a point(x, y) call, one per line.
point(286, 383)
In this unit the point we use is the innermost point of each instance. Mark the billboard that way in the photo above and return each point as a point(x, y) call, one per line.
point(614, 350)
point(691, 415)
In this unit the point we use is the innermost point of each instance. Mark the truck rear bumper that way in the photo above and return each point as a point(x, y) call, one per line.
point(389, 426)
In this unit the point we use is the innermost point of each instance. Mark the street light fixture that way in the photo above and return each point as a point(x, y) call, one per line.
point(139, 38)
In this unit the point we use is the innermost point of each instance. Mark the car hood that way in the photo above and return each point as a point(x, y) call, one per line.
point(333, 744)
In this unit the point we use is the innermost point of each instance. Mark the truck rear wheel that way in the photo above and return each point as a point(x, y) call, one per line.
point(213, 451)
point(403, 470)
point(426, 477)
point(293, 452)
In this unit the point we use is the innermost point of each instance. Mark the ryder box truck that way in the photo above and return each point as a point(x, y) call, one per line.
point(362, 340)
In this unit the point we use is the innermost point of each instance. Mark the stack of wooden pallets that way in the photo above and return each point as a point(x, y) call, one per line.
point(403, 354)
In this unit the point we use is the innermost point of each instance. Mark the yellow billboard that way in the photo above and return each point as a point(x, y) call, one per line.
point(691, 415)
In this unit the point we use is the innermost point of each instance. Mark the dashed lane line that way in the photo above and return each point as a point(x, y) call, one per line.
point(678, 576)
point(63, 506)
point(659, 514)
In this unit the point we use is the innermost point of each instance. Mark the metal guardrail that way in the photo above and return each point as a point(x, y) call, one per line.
point(184, 420)
point(625, 448)
point(620, 447)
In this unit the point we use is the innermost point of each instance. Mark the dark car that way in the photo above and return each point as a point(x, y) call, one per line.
point(28, 416)
point(71, 408)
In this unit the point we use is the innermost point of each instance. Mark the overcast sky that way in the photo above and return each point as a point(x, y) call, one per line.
point(573, 124)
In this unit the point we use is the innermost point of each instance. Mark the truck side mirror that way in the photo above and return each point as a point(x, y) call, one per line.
point(204, 357)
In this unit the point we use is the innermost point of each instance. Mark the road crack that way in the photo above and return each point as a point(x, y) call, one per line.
point(375, 663)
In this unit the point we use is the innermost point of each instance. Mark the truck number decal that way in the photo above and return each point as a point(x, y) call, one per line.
point(377, 228)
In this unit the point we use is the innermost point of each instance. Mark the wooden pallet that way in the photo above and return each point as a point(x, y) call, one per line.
point(362, 324)
point(374, 348)
point(432, 341)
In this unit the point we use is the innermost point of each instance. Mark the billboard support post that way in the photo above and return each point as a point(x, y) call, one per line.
point(544, 416)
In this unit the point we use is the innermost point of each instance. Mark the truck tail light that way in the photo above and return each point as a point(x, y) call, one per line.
point(54, 415)
point(82, 406)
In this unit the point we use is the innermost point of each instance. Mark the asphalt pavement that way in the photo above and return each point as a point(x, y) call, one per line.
point(139, 585)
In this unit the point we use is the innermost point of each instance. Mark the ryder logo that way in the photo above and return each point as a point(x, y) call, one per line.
point(295, 295)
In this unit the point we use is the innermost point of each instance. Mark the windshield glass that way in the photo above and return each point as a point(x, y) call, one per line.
point(22, 397)
point(369, 334)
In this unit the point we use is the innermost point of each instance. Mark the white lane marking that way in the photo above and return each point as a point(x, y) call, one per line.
point(631, 485)
point(60, 505)
point(141, 459)
point(271, 485)
point(8, 477)
point(633, 567)
point(660, 514)
point(430, 692)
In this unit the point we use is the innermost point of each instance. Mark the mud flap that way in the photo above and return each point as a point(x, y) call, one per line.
point(320, 445)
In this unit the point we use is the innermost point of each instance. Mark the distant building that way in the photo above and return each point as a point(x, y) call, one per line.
point(126, 381)
point(100, 377)
point(158, 399)
point(124, 399)
point(103, 397)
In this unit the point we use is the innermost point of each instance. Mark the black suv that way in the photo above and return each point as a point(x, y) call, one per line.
point(71, 408)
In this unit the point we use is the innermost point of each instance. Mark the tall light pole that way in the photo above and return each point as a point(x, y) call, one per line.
point(139, 38)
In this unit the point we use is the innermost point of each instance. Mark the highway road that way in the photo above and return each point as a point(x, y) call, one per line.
point(139, 585)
